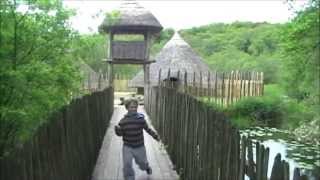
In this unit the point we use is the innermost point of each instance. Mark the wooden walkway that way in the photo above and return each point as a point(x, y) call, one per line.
point(109, 163)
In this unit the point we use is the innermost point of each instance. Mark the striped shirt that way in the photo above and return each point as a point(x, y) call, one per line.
point(131, 129)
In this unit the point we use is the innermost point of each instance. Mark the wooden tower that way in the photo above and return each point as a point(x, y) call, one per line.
point(130, 29)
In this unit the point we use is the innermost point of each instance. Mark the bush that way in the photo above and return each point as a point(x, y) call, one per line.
point(274, 109)
point(264, 111)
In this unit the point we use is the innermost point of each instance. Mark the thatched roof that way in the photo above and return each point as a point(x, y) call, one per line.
point(176, 55)
point(89, 75)
point(132, 17)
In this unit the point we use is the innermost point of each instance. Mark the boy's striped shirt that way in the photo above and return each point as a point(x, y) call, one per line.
point(131, 129)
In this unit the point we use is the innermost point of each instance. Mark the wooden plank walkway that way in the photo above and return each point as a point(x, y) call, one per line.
point(109, 163)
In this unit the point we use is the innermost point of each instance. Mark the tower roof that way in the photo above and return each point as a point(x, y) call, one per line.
point(131, 18)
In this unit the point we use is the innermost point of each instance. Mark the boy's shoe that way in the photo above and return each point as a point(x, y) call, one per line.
point(149, 170)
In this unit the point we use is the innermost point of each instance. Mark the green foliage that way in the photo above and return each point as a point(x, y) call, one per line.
point(164, 36)
point(301, 67)
point(258, 110)
point(111, 19)
point(37, 72)
point(288, 54)
point(274, 109)
point(253, 111)
point(91, 49)
point(238, 46)
point(300, 54)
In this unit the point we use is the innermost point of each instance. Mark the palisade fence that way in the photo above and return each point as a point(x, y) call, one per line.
point(121, 83)
point(202, 142)
point(224, 88)
point(98, 81)
point(67, 146)
point(94, 81)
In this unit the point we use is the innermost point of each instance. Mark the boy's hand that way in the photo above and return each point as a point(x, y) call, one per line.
point(157, 138)
point(118, 131)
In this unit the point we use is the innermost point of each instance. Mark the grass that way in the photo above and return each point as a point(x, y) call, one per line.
point(273, 109)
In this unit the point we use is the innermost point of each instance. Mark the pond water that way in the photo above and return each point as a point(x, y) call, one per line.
point(305, 155)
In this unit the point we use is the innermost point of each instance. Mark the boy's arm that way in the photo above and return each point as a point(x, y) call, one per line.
point(118, 130)
point(150, 131)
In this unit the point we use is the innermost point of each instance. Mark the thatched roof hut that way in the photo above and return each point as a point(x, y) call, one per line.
point(176, 55)
point(90, 77)
point(131, 17)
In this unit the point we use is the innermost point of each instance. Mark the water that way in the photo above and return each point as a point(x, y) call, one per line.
point(306, 156)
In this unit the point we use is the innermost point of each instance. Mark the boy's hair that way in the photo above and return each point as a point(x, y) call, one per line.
point(129, 101)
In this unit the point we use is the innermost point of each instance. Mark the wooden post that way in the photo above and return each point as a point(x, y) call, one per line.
point(262, 84)
point(238, 85)
point(277, 168)
point(194, 84)
point(146, 67)
point(178, 80)
point(254, 77)
point(110, 69)
point(216, 86)
point(250, 171)
point(209, 86)
point(265, 164)
point(229, 87)
point(222, 89)
point(242, 158)
point(168, 84)
point(89, 82)
point(99, 81)
point(245, 84)
point(185, 82)
point(159, 78)
point(249, 84)
point(200, 88)
point(232, 89)
point(241, 84)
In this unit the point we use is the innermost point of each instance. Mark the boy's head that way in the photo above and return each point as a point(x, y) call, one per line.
point(131, 105)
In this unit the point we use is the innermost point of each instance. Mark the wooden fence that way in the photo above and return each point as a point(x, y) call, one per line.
point(255, 164)
point(121, 83)
point(223, 88)
point(67, 146)
point(203, 144)
point(97, 81)
point(94, 82)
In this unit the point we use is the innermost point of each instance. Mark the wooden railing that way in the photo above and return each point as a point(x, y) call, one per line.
point(203, 144)
point(67, 146)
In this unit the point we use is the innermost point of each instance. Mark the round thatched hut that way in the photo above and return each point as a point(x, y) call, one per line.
point(176, 56)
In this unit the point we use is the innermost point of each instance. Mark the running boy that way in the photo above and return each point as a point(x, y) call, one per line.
point(131, 128)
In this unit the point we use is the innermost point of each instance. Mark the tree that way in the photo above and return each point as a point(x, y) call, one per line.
point(242, 46)
point(37, 73)
point(300, 52)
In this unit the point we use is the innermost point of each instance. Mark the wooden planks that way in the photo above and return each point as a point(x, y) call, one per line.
point(109, 163)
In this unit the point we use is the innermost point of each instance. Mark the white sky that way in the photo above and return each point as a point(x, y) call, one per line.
point(186, 14)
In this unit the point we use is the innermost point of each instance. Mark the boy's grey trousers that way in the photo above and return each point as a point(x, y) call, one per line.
point(140, 157)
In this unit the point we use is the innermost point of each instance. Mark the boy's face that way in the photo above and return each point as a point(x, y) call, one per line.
point(132, 107)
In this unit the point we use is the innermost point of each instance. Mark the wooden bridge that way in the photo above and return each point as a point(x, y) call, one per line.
point(78, 143)
point(109, 163)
